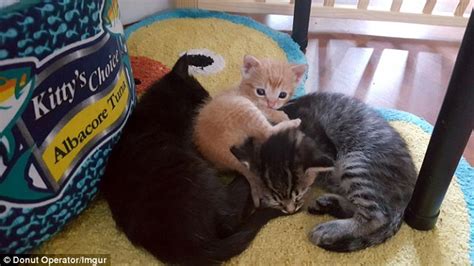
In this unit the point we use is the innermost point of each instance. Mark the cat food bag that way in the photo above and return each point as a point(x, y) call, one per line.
point(66, 90)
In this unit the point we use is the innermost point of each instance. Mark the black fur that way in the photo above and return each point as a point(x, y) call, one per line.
point(164, 196)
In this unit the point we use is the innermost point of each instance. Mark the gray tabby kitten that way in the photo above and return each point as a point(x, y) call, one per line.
point(287, 164)
point(373, 177)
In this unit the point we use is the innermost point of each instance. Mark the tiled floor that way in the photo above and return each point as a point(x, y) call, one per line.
point(394, 65)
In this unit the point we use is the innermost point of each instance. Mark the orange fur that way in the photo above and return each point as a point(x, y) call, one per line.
point(239, 113)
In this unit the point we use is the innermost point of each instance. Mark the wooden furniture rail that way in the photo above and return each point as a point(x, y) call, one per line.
point(331, 9)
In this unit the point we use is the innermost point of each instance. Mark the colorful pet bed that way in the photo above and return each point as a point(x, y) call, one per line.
point(219, 42)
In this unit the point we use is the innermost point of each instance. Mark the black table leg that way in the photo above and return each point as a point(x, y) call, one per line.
point(450, 136)
point(301, 16)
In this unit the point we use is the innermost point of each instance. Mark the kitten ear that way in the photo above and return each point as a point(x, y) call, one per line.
point(249, 63)
point(313, 160)
point(313, 156)
point(321, 163)
point(299, 71)
point(244, 152)
point(181, 66)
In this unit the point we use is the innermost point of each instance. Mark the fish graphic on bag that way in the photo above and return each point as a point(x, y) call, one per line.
point(15, 92)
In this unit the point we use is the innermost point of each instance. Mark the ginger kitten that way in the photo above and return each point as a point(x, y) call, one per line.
point(248, 110)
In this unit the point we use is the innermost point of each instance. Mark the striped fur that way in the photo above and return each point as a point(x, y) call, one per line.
point(374, 173)
point(284, 163)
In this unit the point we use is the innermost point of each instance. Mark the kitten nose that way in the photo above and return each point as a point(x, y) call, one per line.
point(290, 207)
point(271, 104)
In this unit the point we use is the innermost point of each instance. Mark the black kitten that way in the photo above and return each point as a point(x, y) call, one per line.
point(164, 196)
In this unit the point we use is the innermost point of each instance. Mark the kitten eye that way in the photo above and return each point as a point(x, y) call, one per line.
point(260, 92)
point(282, 95)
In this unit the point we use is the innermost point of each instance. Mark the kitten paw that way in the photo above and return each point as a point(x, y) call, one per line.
point(280, 116)
point(323, 205)
point(332, 204)
point(275, 116)
point(337, 235)
point(256, 197)
point(256, 201)
point(327, 234)
point(295, 122)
